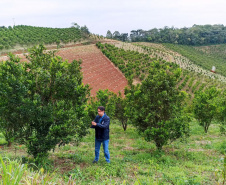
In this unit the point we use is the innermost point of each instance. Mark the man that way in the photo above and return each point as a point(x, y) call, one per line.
point(101, 125)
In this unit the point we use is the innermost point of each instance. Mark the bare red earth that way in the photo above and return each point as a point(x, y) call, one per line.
point(98, 71)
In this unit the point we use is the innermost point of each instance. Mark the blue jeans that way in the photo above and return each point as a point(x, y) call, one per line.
point(105, 147)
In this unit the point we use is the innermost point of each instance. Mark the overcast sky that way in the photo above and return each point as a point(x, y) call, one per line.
point(121, 15)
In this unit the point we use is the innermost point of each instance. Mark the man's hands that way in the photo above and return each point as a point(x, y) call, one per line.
point(94, 123)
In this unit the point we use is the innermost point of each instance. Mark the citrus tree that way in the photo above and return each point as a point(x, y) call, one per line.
point(13, 90)
point(53, 107)
point(205, 106)
point(155, 106)
point(57, 102)
point(120, 110)
point(221, 112)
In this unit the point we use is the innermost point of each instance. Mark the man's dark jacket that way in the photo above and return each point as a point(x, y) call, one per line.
point(102, 128)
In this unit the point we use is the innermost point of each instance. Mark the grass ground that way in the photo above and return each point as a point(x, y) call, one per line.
point(198, 160)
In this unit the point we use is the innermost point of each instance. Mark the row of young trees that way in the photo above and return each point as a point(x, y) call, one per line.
point(132, 63)
point(31, 35)
point(135, 66)
point(204, 59)
point(195, 35)
point(129, 62)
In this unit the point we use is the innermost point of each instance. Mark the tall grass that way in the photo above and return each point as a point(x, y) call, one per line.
point(11, 172)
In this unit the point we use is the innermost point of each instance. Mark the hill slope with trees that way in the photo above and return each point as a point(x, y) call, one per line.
point(30, 35)
point(206, 57)
point(135, 60)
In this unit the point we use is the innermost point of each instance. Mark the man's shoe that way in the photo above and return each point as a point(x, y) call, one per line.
point(94, 162)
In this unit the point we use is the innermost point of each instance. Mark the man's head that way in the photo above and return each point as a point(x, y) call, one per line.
point(100, 110)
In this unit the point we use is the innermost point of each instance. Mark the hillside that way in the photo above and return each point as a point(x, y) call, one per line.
point(97, 70)
point(204, 56)
point(167, 53)
point(22, 36)
point(126, 60)
point(133, 60)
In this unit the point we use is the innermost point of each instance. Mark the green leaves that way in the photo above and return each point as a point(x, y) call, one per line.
point(221, 111)
point(205, 106)
point(47, 100)
point(12, 93)
point(156, 106)
point(103, 98)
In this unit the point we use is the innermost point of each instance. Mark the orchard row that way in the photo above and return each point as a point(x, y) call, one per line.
point(30, 35)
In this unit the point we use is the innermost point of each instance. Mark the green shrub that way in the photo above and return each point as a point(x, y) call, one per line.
point(205, 106)
point(156, 106)
point(46, 101)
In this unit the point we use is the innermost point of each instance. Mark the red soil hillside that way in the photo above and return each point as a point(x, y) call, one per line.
point(98, 71)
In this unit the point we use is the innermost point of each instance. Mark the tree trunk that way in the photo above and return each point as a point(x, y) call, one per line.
point(206, 127)
point(159, 146)
point(9, 144)
point(124, 126)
